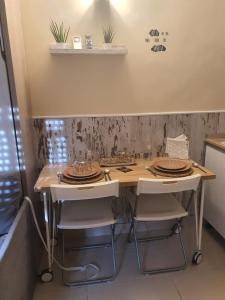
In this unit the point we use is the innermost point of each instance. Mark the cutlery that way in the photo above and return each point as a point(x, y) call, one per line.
point(194, 164)
point(151, 171)
point(59, 175)
point(105, 175)
point(107, 172)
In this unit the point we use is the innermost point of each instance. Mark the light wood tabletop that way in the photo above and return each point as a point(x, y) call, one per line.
point(48, 174)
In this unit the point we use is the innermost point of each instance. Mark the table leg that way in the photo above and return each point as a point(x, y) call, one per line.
point(197, 257)
point(48, 241)
point(53, 233)
point(196, 219)
point(201, 216)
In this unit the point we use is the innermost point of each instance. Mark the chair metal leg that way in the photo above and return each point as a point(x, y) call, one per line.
point(57, 220)
point(94, 246)
point(129, 239)
point(63, 254)
point(113, 250)
point(183, 250)
point(98, 280)
point(136, 246)
point(160, 270)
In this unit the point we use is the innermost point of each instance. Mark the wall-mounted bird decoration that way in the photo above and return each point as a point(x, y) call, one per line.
point(159, 39)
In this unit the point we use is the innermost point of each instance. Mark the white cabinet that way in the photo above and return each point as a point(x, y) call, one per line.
point(214, 211)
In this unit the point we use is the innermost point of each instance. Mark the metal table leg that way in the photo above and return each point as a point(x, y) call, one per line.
point(48, 242)
point(197, 257)
point(201, 216)
point(196, 218)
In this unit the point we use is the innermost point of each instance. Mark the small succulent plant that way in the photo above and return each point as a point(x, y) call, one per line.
point(108, 34)
point(58, 31)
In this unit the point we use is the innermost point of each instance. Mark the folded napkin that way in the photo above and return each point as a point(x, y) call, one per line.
point(178, 147)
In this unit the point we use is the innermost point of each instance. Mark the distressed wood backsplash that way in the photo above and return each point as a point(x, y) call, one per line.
point(68, 139)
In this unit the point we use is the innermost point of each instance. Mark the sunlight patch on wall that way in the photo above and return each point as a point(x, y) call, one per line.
point(57, 146)
point(83, 5)
point(121, 6)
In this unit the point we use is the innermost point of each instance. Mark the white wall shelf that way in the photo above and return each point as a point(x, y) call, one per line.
point(94, 51)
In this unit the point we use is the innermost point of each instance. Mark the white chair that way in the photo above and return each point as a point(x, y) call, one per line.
point(156, 201)
point(87, 206)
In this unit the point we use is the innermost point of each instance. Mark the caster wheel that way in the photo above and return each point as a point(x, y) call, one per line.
point(197, 258)
point(46, 276)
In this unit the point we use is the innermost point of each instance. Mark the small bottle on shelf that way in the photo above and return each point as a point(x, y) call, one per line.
point(88, 41)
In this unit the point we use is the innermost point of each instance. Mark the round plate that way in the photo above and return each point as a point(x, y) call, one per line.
point(70, 172)
point(89, 180)
point(155, 166)
point(83, 178)
point(171, 164)
point(167, 174)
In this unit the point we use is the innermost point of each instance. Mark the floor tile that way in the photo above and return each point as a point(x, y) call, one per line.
point(152, 288)
point(50, 291)
point(201, 285)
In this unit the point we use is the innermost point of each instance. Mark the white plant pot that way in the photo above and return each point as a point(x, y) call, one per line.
point(107, 45)
point(60, 46)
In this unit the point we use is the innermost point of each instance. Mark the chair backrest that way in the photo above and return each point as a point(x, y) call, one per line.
point(163, 186)
point(61, 192)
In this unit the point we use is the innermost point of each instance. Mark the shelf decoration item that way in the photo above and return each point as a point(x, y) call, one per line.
point(108, 35)
point(88, 41)
point(77, 44)
point(60, 35)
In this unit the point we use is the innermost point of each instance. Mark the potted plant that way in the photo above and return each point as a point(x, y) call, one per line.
point(60, 35)
point(108, 35)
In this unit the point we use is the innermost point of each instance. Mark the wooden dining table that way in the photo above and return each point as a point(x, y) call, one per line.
point(48, 176)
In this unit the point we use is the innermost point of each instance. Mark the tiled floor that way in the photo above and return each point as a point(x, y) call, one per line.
point(203, 282)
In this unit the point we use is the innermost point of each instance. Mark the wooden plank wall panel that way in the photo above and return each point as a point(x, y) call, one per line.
point(106, 135)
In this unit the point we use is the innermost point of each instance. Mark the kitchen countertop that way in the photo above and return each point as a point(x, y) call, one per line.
point(217, 142)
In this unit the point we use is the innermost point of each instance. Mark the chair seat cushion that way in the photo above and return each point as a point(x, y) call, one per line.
point(158, 207)
point(83, 214)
